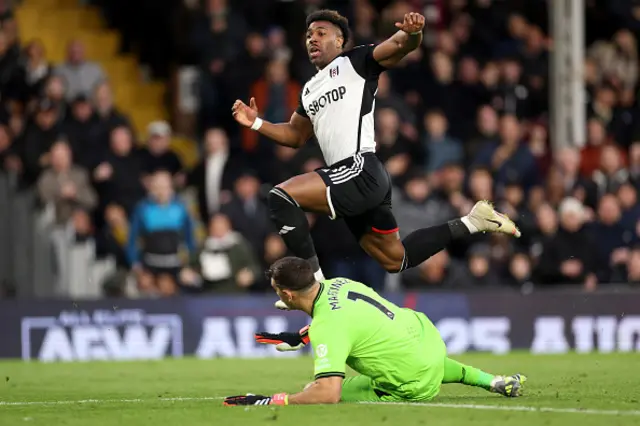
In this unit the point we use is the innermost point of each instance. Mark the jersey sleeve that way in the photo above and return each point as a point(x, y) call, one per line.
point(330, 349)
point(363, 62)
point(300, 110)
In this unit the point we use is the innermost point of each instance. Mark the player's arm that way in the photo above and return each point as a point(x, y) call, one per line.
point(293, 134)
point(326, 390)
point(391, 51)
point(331, 349)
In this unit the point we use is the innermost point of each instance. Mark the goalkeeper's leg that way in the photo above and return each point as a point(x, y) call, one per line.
point(455, 372)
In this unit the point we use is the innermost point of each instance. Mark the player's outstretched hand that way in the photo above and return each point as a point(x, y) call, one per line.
point(247, 399)
point(243, 113)
point(413, 23)
point(285, 342)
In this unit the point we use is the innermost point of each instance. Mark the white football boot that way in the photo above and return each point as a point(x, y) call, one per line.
point(484, 218)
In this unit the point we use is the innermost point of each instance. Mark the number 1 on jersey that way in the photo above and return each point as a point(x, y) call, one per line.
point(352, 295)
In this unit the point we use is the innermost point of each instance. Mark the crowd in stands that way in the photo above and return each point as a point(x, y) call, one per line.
point(463, 118)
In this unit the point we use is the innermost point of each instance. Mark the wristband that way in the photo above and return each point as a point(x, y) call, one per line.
point(280, 399)
point(416, 33)
point(256, 124)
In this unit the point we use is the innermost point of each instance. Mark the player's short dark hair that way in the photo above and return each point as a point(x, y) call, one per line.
point(335, 18)
point(291, 273)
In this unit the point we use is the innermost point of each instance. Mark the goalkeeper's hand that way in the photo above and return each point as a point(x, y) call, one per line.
point(285, 341)
point(250, 399)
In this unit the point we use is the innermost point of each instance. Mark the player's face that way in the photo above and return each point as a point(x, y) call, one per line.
point(284, 295)
point(324, 43)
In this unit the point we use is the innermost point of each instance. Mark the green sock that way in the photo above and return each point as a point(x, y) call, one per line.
point(455, 372)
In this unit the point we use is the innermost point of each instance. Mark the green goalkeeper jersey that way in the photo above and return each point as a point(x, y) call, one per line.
point(353, 325)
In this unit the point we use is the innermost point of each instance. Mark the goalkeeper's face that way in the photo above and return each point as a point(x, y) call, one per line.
point(287, 296)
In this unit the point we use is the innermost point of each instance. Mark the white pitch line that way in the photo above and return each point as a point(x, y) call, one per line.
point(514, 408)
point(106, 401)
point(519, 408)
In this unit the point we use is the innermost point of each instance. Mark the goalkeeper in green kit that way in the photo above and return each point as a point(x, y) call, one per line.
point(398, 352)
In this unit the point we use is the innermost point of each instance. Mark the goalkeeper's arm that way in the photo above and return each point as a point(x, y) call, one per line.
point(326, 390)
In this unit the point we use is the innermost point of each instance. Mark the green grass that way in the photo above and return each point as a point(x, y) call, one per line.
point(596, 382)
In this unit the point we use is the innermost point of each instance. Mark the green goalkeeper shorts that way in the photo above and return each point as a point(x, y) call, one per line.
point(427, 386)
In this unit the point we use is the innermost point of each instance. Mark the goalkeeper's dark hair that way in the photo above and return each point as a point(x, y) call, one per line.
point(292, 273)
point(335, 18)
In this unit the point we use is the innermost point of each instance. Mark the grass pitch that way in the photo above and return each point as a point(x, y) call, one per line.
point(562, 390)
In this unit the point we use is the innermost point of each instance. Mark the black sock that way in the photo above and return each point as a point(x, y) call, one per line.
point(292, 225)
point(424, 243)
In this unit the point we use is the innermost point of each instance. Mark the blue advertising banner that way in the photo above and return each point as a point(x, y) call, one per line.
point(223, 326)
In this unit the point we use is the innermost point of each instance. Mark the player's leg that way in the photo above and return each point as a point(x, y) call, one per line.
point(456, 372)
point(288, 202)
point(377, 232)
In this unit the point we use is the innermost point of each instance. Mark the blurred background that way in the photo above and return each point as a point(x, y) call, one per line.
point(114, 112)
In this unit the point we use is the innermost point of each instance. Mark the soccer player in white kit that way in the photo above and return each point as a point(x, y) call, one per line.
point(337, 106)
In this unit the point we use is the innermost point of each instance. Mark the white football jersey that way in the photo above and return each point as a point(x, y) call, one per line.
point(340, 101)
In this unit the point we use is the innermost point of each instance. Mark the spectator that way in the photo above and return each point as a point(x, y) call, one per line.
point(9, 70)
point(547, 227)
point(480, 185)
point(158, 156)
point(568, 161)
point(486, 133)
point(611, 174)
point(274, 249)
point(81, 129)
point(81, 76)
point(437, 93)
point(386, 97)
point(34, 70)
point(469, 94)
point(438, 271)
point(112, 240)
point(481, 273)
point(612, 237)
point(277, 97)
point(38, 139)
point(109, 117)
point(277, 45)
point(590, 155)
point(9, 159)
point(65, 185)
point(54, 92)
point(617, 61)
point(118, 175)
point(440, 148)
point(417, 207)
point(509, 160)
point(520, 271)
point(159, 226)
point(568, 257)
point(628, 199)
point(248, 214)
point(226, 262)
point(393, 149)
point(630, 271)
point(244, 70)
point(213, 177)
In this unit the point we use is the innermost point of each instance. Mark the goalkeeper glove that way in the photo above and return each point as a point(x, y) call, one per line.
point(285, 341)
point(250, 399)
